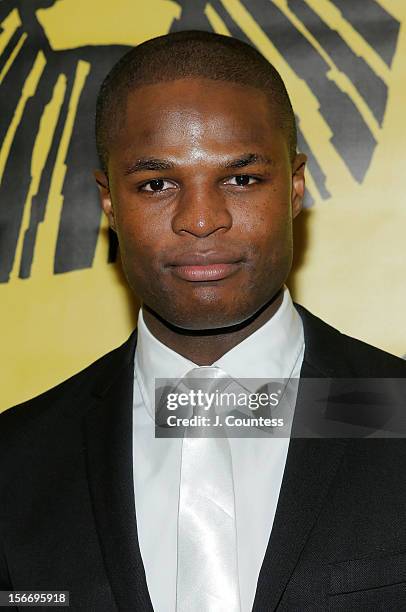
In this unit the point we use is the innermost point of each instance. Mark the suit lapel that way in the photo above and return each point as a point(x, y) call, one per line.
point(108, 447)
point(310, 468)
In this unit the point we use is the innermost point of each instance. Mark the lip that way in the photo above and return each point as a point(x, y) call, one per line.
point(211, 272)
point(208, 266)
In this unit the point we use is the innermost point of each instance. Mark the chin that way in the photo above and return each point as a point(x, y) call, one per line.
point(208, 316)
point(208, 308)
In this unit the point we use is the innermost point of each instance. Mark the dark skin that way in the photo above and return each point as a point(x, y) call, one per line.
point(202, 168)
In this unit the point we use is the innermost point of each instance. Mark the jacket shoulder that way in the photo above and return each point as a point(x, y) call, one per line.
point(81, 383)
point(338, 354)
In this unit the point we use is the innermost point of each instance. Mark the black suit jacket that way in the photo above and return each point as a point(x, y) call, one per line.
point(67, 512)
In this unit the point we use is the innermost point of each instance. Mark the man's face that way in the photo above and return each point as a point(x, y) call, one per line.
point(201, 194)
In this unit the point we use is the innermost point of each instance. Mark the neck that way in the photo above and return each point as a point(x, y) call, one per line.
point(204, 347)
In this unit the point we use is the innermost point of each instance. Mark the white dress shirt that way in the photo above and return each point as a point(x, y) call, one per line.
point(275, 350)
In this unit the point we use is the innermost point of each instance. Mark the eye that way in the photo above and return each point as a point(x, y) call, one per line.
point(156, 185)
point(242, 180)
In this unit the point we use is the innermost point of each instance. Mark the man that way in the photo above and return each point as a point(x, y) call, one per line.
point(201, 180)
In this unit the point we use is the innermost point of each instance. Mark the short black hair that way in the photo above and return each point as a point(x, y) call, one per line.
point(188, 54)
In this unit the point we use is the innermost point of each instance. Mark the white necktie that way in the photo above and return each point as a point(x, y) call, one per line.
point(207, 576)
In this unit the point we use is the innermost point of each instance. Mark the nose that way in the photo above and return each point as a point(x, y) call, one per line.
point(201, 212)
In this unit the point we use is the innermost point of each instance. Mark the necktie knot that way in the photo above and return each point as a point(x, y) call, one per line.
point(195, 394)
point(203, 384)
point(205, 376)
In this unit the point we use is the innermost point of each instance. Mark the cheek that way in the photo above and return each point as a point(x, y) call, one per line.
point(139, 245)
point(266, 224)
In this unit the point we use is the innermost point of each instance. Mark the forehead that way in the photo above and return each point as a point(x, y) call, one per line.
point(196, 112)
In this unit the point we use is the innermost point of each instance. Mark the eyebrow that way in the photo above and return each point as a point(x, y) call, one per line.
point(156, 164)
point(149, 163)
point(249, 159)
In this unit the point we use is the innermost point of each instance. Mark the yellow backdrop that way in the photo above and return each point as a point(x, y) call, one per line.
point(63, 300)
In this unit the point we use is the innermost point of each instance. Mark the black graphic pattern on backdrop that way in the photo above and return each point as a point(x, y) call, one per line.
point(81, 215)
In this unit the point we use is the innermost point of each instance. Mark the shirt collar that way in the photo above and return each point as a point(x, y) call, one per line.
point(270, 352)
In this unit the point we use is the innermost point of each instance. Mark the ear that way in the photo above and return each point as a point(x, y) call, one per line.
point(105, 196)
point(298, 183)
